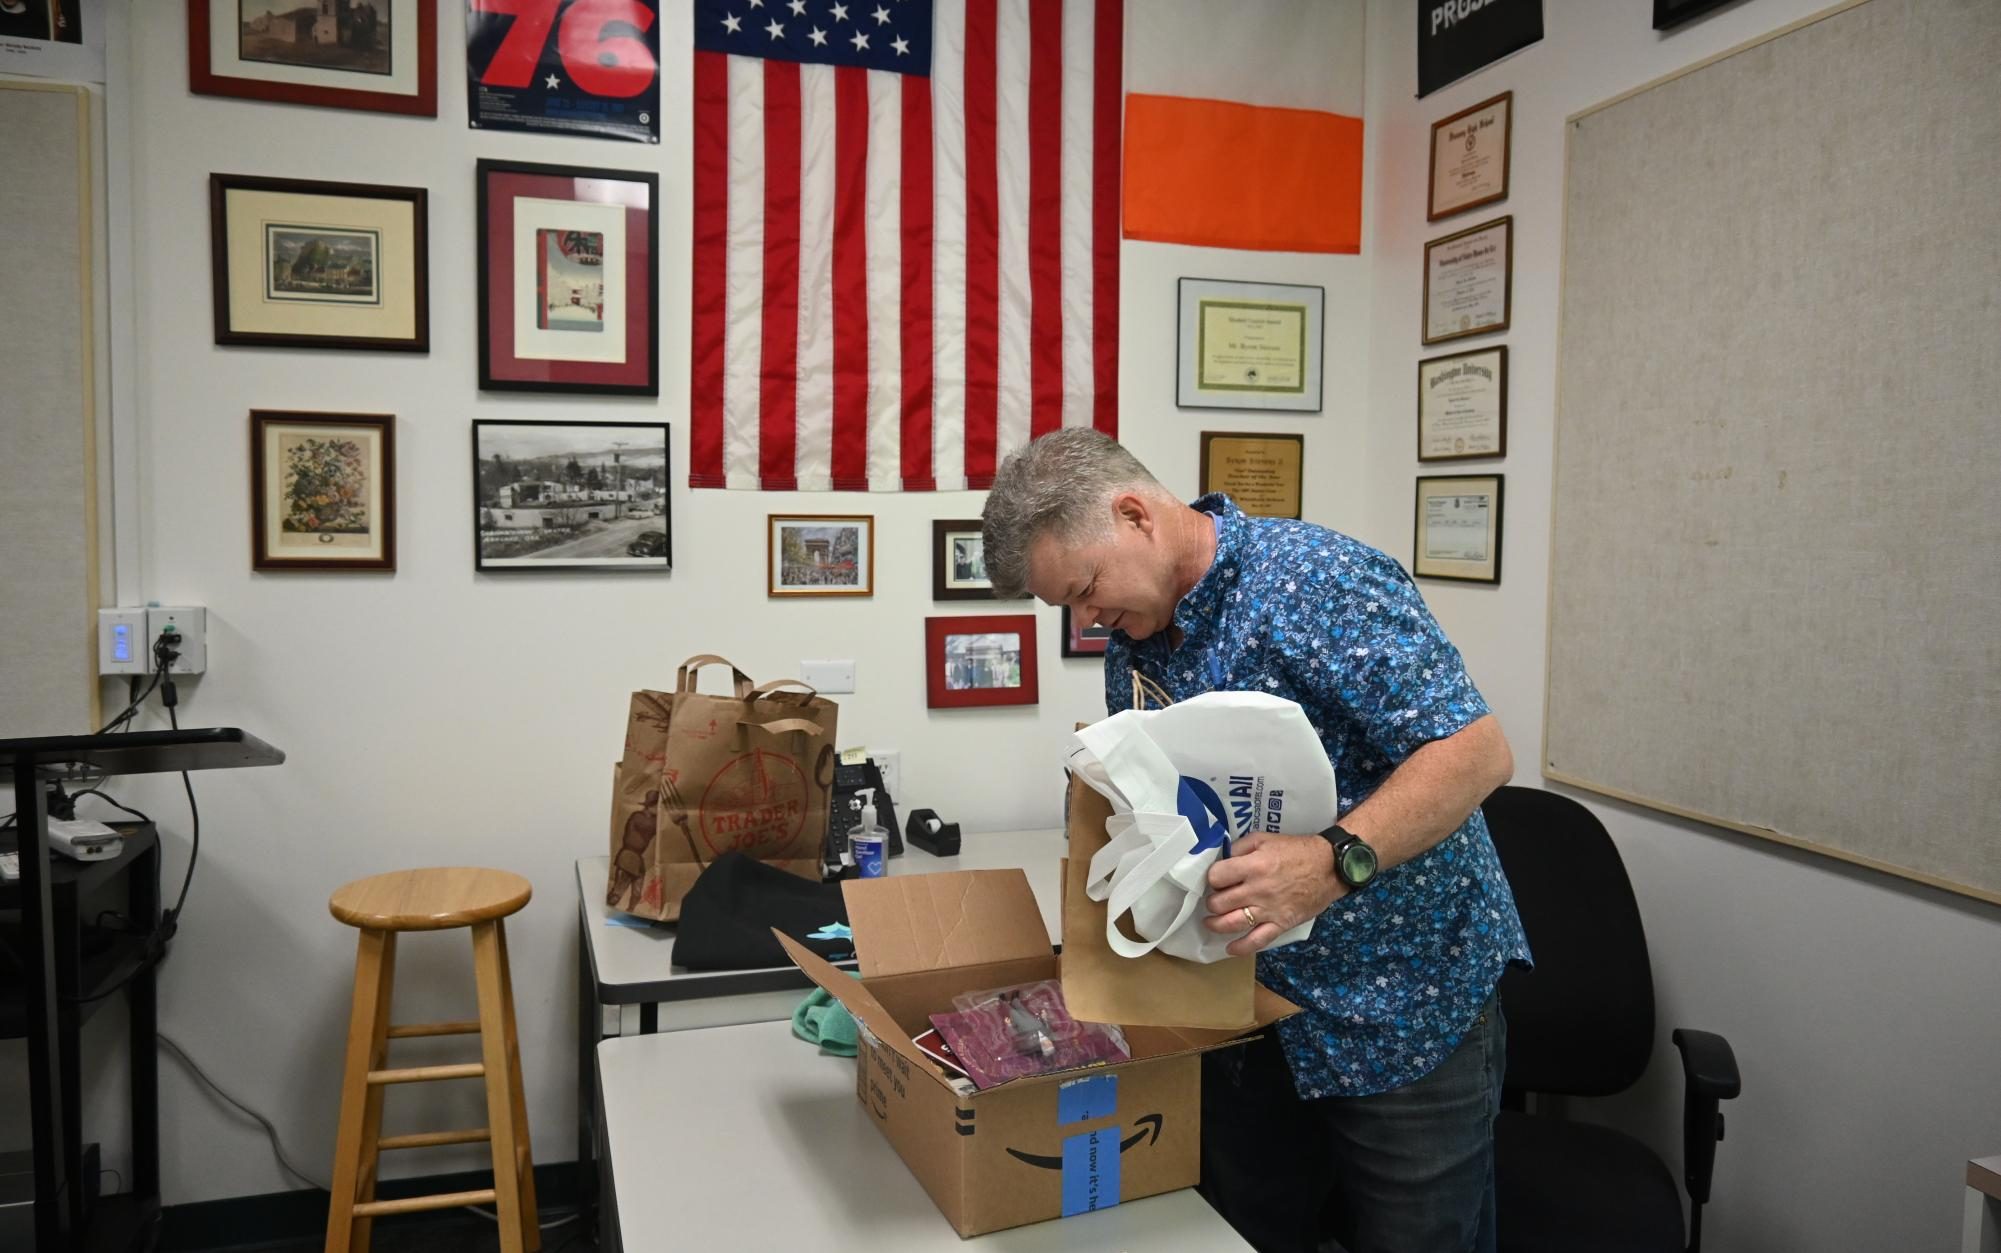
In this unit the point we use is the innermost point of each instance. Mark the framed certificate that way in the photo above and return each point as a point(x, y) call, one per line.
point(1249, 346)
point(569, 279)
point(1462, 405)
point(1469, 281)
point(1261, 473)
point(1458, 528)
point(1469, 157)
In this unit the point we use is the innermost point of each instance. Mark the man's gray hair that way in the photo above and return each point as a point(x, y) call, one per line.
point(1059, 485)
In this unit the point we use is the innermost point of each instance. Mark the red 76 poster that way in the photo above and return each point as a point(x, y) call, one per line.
point(587, 67)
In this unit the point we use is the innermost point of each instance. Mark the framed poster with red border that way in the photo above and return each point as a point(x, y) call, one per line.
point(569, 279)
point(255, 52)
point(985, 659)
point(1090, 641)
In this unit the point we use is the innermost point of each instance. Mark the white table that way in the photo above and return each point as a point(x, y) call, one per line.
point(746, 1138)
point(1982, 1230)
point(625, 966)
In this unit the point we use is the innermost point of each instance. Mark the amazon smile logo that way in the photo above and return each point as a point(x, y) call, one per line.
point(1146, 1127)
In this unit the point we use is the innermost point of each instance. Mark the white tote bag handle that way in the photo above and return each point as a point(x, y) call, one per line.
point(1136, 882)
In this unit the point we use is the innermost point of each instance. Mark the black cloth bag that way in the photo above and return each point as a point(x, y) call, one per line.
point(727, 917)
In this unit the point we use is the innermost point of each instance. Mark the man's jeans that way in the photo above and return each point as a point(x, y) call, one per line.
point(1405, 1171)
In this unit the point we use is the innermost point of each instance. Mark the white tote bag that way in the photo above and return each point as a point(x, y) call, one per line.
point(1183, 782)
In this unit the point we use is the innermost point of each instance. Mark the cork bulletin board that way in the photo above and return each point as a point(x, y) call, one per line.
point(1775, 593)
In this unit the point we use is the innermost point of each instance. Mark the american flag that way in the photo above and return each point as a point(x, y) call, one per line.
point(906, 237)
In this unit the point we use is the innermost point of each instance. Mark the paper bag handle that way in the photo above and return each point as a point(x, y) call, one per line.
point(771, 688)
point(783, 726)
point(689, 675)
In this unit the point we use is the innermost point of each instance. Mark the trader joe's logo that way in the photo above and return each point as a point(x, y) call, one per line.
point(756, 805)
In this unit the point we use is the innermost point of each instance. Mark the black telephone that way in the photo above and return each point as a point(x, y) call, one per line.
point(844, 811)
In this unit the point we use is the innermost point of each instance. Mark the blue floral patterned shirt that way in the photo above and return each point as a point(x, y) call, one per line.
point(1395, 974)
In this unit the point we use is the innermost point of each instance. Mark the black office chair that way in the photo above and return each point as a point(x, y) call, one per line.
point(1582, 1024)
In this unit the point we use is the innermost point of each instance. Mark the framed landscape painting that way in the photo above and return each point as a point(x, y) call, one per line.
point(298, 263)
point(376, 55)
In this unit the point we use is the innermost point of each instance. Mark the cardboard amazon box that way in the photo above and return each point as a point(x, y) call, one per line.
point(1032, 1149)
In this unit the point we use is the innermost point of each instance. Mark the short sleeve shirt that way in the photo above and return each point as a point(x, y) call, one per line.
point(1393, 975)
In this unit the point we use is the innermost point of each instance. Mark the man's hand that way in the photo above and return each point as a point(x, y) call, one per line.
point(1283, 879)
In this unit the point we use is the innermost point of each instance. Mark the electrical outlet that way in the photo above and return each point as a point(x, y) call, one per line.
point(190, 624)
point(890, 762)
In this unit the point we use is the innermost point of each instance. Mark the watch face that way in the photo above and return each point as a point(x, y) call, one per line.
point(1358, 863)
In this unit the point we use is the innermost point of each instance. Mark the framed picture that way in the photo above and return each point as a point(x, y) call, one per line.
point(978, 661)
point(958, 561)
point(1262, 473)
point(1469, 157)
point(1462, 405)
point(1469, 281)
point(322, 491)
point(303, 264)
point(1669, 14)
point(1458, 528)
point(569, 279)
point(1088, 642)
point(1249, 346)
point(379, 55)
point(571, 496)
point(820, 554)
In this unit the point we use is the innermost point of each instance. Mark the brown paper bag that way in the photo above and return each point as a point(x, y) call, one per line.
point(703, 775)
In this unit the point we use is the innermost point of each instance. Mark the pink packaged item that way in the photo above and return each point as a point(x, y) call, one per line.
point(1016, 1032)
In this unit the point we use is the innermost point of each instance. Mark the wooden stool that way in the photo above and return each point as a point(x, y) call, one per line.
point(431, 900)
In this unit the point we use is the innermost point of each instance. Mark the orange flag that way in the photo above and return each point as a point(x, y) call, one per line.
point(1243, 125)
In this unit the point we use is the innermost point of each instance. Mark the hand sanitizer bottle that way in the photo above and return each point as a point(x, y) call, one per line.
point(869, 840)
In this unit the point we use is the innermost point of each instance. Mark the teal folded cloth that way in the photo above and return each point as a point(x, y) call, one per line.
point(822, 1020)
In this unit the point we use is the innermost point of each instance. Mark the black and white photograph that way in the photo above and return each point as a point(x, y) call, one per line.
point(571, 496)
point(350, 35)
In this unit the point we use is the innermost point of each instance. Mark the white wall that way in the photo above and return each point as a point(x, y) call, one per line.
point(438, 716)
point(1863, 1008)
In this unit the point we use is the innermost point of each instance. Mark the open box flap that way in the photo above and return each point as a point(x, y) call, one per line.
point(931, 921)
point(855, 998)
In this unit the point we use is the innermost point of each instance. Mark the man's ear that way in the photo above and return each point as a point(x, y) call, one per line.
point(1131, 509)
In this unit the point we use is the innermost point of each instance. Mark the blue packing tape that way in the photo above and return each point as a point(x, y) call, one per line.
point(1081, 1100)
point(1091, 1171)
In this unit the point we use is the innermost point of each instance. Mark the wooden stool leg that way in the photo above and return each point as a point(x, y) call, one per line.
point(355, 1154)
point(489, 970)
point(531, 1232)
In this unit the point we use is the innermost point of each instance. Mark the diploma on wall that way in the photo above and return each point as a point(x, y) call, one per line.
point(1457, 532)
point(1250, 346)
point(1469, 157)
point(1462, 405)
point(1468, 281)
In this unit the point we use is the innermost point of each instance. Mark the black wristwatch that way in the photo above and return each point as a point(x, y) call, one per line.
point(1354, 860)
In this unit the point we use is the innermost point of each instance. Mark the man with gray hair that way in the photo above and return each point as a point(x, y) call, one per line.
point(1381, 1095)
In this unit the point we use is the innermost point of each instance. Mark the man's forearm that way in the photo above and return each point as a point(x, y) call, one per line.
point(1429, 795)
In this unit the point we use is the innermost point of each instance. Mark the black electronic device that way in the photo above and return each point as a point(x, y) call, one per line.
point(844, 811)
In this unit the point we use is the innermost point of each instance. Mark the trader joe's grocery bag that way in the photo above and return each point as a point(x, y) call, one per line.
point(702, 775)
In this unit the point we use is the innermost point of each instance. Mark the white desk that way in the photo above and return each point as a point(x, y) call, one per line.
point(1982, 1231)
point(620, 966)
point(745, 1138)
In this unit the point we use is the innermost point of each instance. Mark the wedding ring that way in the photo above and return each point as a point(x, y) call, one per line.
point(1251, 916)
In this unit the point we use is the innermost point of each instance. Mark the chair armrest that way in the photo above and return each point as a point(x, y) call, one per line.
point(1709, 1075)
point(1708, 1066)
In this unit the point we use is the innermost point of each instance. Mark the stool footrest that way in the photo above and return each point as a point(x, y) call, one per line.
point(434, 1028)
point(426, 1074)
point(435, 1139)
point(413, 1204)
